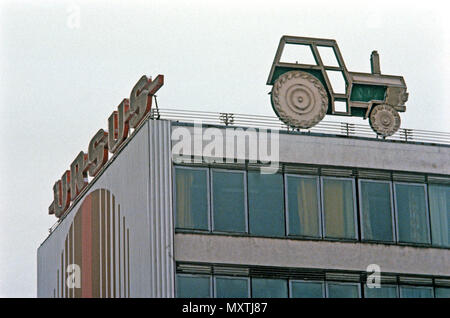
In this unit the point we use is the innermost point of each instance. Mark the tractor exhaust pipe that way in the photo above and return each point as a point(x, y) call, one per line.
point(375, 63)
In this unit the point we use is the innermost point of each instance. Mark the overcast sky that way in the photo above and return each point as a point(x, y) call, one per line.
point(60, 81)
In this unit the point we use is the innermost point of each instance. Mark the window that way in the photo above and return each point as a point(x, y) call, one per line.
point(337, 81)
point(297, 54)
point(343, 290)
point(416, 292)
point(376, 210)
point(193, 286)
point(439, 196)
point(442, 292)
point(340, 106)
point(305, 289)
point(191, 192)
point(303, 206)
point(229, 202)
point(269, 288)
point(339, 208)
point(227, 287)
point(328, 55)
point(266, 204)
point(411, 210)
point(385, 291)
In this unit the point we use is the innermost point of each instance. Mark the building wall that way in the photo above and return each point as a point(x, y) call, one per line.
point(321, 151)
point(356, 256)
point(345, 152)
point(140, 248)
point(133, 251)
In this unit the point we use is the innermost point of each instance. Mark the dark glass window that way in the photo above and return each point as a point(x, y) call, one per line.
point(342, 290)
point(303, 206)
point(339, 209)
point(266, 204)
point(230, 287)
point(439, 196)
point(416, 292)
point(190, 286)
point(191, 191)
point(442, 292)
point(376, 210)
point(269, 288)
point(411, 213)
point(385, 291)
point(229, 201)
point(304, 289)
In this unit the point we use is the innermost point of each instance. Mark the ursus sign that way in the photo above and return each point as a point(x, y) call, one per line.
point(130, 113)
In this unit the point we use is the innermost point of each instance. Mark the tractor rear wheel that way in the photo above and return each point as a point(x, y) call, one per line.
point(299, 99)
point(384, 120)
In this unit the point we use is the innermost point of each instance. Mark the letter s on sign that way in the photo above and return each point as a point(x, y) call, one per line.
point(141, 98)
point(61, 195)
point(98, 152)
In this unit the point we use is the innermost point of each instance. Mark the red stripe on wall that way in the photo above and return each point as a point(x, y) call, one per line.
point(86, 248)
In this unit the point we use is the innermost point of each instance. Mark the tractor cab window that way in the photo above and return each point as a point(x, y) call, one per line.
point(328, 56)
point(337, 81)
point(297, 54)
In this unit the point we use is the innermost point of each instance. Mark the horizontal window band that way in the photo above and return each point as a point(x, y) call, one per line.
point(334, 172)
point(438, 180)
point(377, 175)
point(194, 269)
point(345, 277)
point(307, 274)
point(387, 279)
point(415, 281)
point(290, 168)
point(408, 177)
point(230, 271)
point(301, 169)
point(442, 282)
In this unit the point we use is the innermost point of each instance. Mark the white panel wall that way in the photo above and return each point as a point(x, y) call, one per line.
point(140, 179)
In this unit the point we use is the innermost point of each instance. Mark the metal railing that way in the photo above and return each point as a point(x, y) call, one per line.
point(324, 127)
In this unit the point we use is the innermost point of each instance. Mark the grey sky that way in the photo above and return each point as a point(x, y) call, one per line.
point(59, 85)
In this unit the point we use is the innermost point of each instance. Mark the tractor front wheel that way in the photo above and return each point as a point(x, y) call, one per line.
point(299, 99)
point(384, 120)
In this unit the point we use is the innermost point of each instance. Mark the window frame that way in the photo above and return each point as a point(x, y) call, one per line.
point(211, 184)
point(397, 289)
point(427, 216)
point(355, 208)
point(211, 290)
point(415, 287)
point(343, 283)
point(319, 205)
point(280, 59)
point(323, 283)
point(439, 287)
point(208, 198)
point(322, 54)
point(430, 217)
point(249, 287)
point(393, 214)
point(286, 280)
point(247, 202)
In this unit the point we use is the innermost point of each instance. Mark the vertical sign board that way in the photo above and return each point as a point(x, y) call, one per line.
point(129, 115)
point(117, 232)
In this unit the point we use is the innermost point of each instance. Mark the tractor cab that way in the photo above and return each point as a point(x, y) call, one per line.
point(302, 62)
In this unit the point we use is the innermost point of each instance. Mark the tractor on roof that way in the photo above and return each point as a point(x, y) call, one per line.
point(316, 82)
